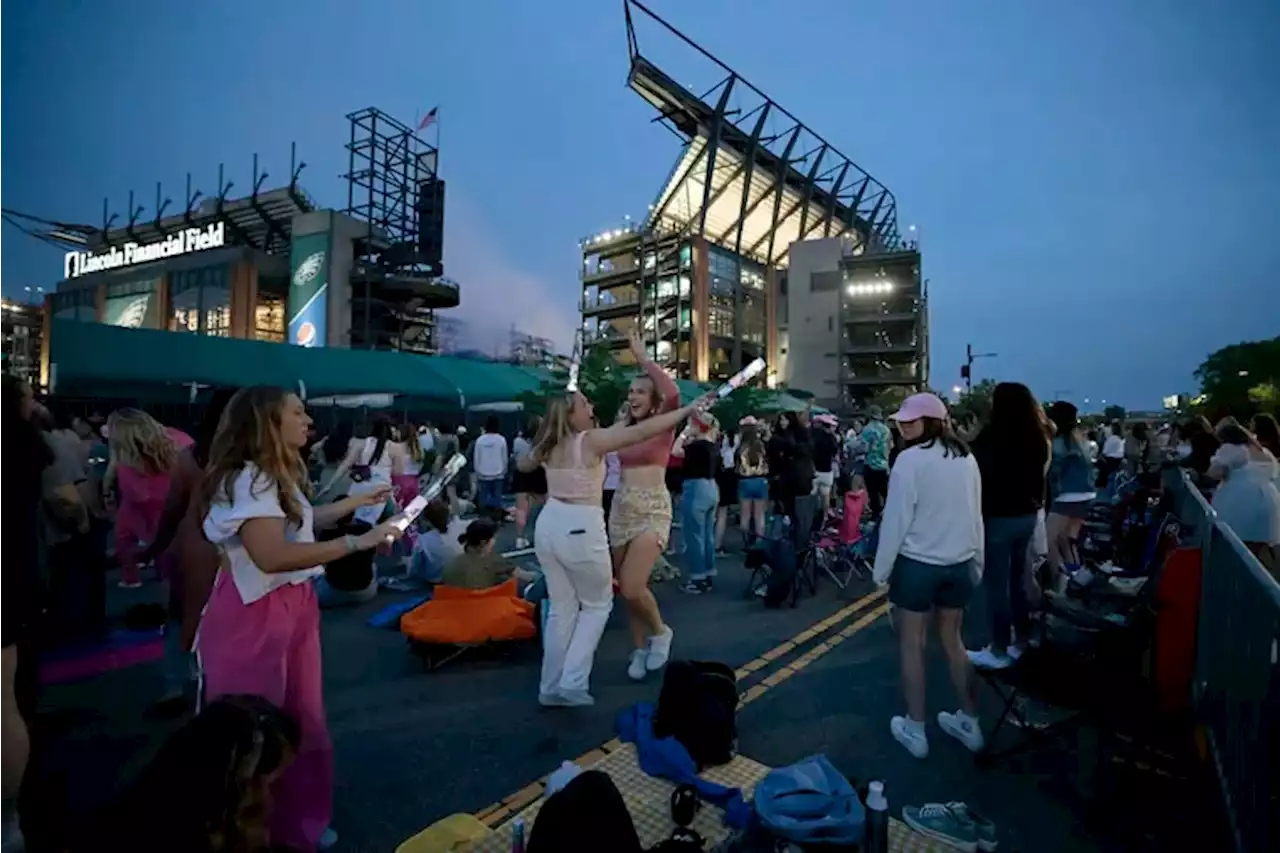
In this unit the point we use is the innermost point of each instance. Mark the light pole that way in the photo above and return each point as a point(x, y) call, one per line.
point(970, 357)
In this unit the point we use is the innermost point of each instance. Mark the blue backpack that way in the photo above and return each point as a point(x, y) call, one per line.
point(809, 802)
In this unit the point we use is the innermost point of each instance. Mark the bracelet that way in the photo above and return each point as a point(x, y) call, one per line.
point(351, 543)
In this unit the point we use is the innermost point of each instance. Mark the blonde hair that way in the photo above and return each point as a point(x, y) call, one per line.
point(249, 433)
point(555, 427)
point(140, 442)
point(409, 437)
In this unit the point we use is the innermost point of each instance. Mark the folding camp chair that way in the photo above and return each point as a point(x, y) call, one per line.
point(1087, 656)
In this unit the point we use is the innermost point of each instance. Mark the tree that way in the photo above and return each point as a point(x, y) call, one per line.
point(974, 405)
point(1113, 413)
point(745, 401)
point(890, 399)
point(600, 378)
point(1227, 376)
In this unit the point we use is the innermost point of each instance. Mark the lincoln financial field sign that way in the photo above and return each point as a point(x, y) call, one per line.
point(179, 243)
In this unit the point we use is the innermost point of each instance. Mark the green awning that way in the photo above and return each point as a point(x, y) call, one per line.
point(479, 382)
point(88, 356)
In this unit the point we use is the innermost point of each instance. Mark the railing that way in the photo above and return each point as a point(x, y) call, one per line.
point(1236, 686)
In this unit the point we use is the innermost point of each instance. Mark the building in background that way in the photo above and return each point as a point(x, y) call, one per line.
point(273, 265)
point(21, 329)
point(854, 324)
point(700, 275)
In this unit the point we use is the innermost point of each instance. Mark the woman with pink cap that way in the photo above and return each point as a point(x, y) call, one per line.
point(930, 554)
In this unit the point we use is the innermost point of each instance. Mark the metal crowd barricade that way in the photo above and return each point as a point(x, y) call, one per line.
point(1236, 685)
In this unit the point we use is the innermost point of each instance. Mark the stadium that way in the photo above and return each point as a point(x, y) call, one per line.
point(706, 274)
point(272, 265)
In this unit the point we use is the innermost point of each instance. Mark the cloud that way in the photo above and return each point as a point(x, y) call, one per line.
point(496, 292)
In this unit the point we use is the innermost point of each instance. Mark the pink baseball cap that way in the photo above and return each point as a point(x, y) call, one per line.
point(921, 406)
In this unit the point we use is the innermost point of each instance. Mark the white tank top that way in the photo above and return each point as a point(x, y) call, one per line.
point(380, 471)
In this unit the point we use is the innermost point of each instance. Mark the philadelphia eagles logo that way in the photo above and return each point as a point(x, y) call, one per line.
point(308, 269)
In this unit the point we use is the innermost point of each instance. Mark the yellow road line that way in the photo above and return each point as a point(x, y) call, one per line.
point(499, 812)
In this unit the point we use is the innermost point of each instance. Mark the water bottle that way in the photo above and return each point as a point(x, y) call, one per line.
point(517, 835)
point(876, 839)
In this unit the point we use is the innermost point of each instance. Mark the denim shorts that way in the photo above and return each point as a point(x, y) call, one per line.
point(753, 489)
point(920, 587)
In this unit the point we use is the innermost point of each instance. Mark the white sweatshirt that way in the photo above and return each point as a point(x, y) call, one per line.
point(489, 456)
point(933, 512)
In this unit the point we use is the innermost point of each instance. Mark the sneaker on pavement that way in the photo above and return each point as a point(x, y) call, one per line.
point(935, 820)
point(636, 668)
point(984, 830)
point(566, 699)
point(911, 735)
point(659, 649)
point(697, 586)
point(963, 728)
point(985, 658)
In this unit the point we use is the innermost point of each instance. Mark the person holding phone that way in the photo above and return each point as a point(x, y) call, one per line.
point(260, 633)
point(570, 540)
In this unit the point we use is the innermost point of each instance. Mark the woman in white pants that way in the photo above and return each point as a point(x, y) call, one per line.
point(570, 539)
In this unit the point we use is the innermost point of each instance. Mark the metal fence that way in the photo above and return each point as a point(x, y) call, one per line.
point(1236, 686)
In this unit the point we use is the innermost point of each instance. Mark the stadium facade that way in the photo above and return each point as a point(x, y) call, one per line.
point(704, 275)
point(272, 265)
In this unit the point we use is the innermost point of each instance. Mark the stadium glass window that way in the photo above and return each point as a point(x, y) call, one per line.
point(75, 305)
point(268, 318)
point(200, 301)
point(133, 304)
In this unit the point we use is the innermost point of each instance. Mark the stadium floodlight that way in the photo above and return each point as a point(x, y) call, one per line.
point(870, 288)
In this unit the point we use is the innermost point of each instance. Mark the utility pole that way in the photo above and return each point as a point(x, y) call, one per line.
point(966, 372)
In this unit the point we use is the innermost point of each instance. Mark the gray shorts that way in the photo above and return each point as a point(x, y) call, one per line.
point(920, 587)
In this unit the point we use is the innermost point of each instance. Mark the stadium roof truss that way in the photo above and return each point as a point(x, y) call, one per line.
point(262, 220)
point(752, 177)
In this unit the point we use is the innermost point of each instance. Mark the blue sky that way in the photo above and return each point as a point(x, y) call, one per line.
point(1095, 184)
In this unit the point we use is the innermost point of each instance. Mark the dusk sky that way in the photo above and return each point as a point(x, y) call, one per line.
point(1096, 184)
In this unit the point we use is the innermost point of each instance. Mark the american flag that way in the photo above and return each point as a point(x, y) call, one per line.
point(428, 119)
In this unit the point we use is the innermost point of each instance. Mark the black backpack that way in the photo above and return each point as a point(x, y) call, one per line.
point(697, 706)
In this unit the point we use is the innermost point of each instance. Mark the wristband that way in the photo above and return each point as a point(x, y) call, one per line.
point(351, 543)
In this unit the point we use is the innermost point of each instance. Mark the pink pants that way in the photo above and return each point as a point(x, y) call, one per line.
point(271, 648)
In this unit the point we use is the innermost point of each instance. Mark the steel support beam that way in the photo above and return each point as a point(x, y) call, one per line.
point(774, 187)
point(833, 199)
point(808, 190)
point(713, 145)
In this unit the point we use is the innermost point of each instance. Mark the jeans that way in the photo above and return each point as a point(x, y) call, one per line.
point(698, 523)
point(490, 496)
point(1006, 542)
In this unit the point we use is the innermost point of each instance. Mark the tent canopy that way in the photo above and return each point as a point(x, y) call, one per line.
point(88, 357)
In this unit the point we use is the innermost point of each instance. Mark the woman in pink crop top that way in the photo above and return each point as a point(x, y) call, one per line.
point(640, 517)
point(570, 539)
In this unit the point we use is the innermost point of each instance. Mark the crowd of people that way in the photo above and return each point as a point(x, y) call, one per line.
point(255, 524)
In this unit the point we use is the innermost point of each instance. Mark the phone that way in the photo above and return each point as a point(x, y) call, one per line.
point(742, 377)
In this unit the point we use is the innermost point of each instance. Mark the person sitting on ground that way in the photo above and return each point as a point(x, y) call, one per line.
point(206, 791)
point(478, 567)
point(438, 545)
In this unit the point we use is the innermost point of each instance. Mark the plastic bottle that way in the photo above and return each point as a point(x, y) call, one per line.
point(517, 835)
point(876, 839)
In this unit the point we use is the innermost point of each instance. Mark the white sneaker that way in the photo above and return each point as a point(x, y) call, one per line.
point(963, 728)
point(985, 658)
point(659, 649)
point(327, 839)
point(636, 668)
point(911, 735)
point(566, 699)
point(1015, 651)
point(521, 543)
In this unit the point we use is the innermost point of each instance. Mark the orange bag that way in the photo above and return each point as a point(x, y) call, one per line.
point(465, 617)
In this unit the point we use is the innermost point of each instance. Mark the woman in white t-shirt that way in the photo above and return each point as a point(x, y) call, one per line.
point(260, 632)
